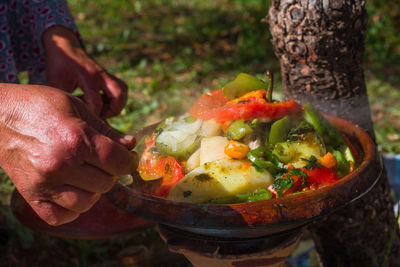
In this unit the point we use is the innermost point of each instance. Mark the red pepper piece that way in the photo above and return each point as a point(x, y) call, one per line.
point(318, 177)
point(208, 104)
point(255, 107)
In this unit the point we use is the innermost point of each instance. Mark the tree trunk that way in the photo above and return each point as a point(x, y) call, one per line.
point(320, 45)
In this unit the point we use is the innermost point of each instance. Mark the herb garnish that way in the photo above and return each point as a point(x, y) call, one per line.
point(312, 162)
point(280, 184)
point(300, 173)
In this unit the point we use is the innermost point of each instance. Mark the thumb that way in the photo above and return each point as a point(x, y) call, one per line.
point(127, 141)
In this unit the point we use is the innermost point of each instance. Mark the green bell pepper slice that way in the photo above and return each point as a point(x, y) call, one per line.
point(243, 84)
point(264, 159)
point(279, 130)
point(238, 129)
point(329, 134)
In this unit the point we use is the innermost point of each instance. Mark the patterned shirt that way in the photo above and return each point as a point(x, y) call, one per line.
point(22, 23)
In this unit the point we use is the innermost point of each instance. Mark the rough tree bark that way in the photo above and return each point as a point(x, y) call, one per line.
point(320, 45)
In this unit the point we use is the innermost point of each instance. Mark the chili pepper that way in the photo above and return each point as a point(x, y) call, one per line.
point(238, 129)
point(243, 84)
point(260, 94)
point(329, 134)
point(256, 108)
point(343, 166)
point(280, 130)
point(270, 81)
point(318, 177)
point(284, 151)
point(208, 104)
point(263, 158)
point(260, 194)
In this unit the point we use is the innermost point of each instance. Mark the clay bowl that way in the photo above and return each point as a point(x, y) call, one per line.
point(263, 217)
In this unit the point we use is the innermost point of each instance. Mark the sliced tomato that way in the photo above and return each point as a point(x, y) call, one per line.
point(153, 166)
point(208, 104)
point(255, 107)
point(173, 173)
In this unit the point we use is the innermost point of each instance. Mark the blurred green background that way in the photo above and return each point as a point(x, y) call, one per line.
point(169, 51)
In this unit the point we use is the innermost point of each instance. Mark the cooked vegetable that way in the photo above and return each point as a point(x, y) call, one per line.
point(210, 128)
point(238, 129)
point(279, 130)
point(303, 179)
point(343, 167)
point(256, 108)
point(329, 161)
point(213, 148)
point(179, 137)
point(285, 151)
point(330, 135)
point(264, 159)
point(270, 80)
point(193, 161)
point(152, 166)
point(238, 145)
point(243, 84)
point(217, 179)
point(236, 150)
point(208, 104)
point(295, 151)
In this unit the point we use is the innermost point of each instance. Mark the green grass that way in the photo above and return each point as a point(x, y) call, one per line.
point(170, 50)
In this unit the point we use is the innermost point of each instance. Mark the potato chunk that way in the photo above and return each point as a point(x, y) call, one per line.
point(222, 178)
point(193, 161)
point(212, 149)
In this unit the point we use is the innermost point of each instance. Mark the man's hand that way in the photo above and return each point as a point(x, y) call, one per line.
point(59, 155)
point(68, 67)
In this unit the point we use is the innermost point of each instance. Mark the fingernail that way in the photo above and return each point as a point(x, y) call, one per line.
point(129, 138)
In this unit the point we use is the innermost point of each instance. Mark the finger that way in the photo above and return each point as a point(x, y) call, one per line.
point(52, 213)
point(116, 92)
point(109, 156)
point(67, 86)
point(101, 127)
point(92, 96)
point(73, 199)
point(91, 179)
